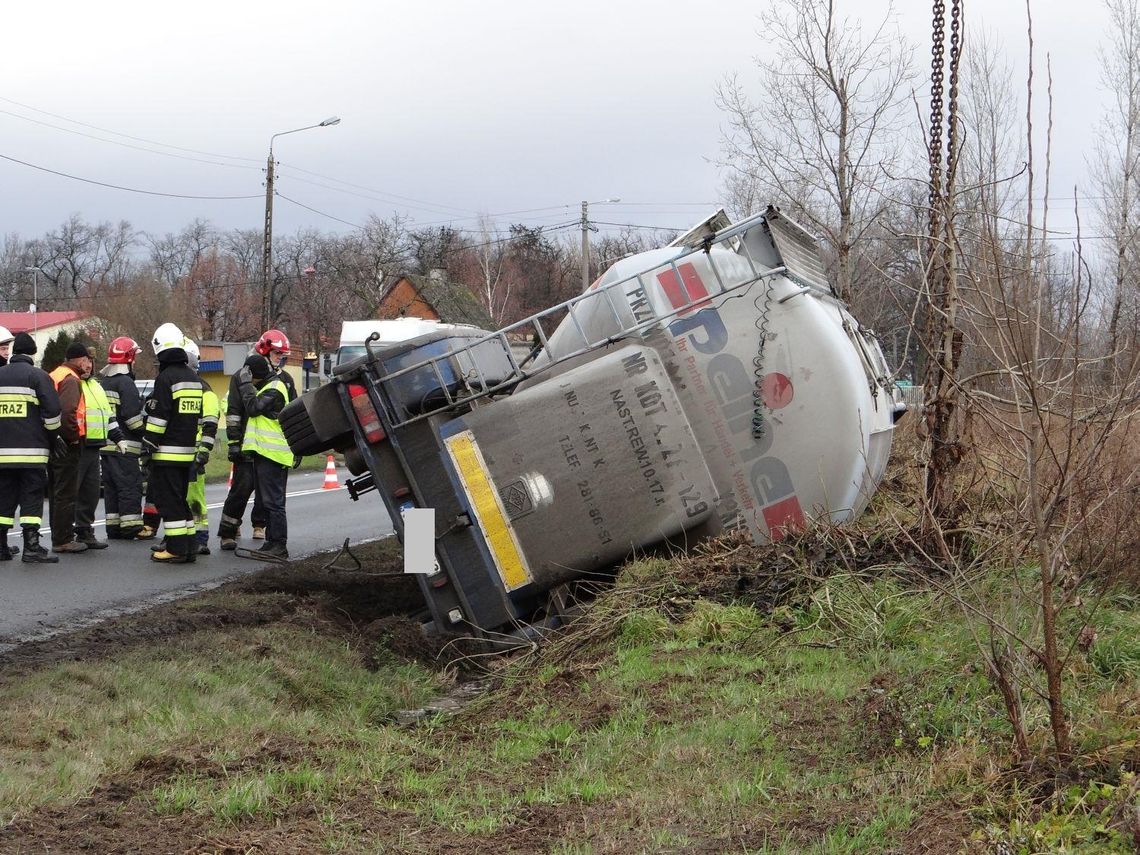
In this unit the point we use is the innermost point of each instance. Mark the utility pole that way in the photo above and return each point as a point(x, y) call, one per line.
point(585, 245)
point(35, 271)
point(267, 249)
point(586, 229)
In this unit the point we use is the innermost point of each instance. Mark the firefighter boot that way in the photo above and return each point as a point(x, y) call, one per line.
point(33, 552)
point(5, 552)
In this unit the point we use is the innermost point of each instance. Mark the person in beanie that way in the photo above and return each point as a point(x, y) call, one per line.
point(173, 414)
point(29, 426)
point(102, 433)
point(122, 477)
point(68, 379)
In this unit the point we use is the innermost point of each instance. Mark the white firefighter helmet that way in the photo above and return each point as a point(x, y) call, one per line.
point(167, 337)
point(193, 355)
point(5, 336)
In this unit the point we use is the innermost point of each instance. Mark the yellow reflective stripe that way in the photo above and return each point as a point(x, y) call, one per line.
point(488, 508)
point(7, 521)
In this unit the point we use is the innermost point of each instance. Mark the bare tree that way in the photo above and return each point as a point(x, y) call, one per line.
point(1116, 167)
point(173, 256)
point(825, 134)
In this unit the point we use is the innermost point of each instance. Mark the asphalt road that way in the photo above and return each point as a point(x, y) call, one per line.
point(39, 600)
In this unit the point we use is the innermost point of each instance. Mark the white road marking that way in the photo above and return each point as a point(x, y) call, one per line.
point(213, 507)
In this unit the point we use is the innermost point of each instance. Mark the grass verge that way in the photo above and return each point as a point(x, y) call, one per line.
point(691, 709)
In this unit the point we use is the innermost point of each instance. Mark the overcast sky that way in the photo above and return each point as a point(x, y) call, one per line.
point(449, 108)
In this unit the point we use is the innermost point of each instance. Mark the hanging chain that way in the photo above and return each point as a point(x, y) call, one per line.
point(937, 62)
point(952, 115)
point(758, 405)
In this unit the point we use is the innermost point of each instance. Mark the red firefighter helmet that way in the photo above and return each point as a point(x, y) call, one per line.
point(272, 340)
point(123, 350)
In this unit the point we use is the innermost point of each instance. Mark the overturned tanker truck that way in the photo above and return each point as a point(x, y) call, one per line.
point(716, 383)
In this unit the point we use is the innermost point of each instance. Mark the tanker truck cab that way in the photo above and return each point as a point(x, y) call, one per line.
point(353, 334)
point(714, 384)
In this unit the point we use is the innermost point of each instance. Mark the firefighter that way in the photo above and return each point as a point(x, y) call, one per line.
point(207, 434)
point(274, 346)
point(68, 379)
point(5, 345)
point(122, 477)
point(29, 427)
point(102, 433)
point(173, 413)
point(263, 396)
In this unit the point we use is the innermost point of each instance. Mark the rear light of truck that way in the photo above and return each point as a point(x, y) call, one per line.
point(366, 413)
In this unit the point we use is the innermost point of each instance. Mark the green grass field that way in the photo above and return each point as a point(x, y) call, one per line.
point(850, 718)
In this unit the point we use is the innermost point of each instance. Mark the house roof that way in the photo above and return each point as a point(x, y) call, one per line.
point(452, 301)
point(26, 321)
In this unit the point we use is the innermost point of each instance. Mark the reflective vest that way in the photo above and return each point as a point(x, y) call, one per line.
point(211, 412)
point(60, 374)
point(100, 416)
point(263, 435)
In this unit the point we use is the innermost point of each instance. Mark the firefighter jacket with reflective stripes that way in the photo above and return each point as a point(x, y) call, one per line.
point(29, 414)
point(123, 395)
point(101, 422)
point(263, 434)
point(73, 407)
point(173, 412)
point(211, 412)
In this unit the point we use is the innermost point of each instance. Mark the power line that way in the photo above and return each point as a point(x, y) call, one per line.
point(315, 211)
point(119, 186)
point(125, 145)
point(127, 136)
point(637, 226)
point(364, 196)
point(378, 192)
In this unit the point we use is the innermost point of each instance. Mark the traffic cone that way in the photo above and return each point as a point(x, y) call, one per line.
point(330, 475)
point(230, 480)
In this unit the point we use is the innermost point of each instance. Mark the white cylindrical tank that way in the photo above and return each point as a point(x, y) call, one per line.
point(817, 392)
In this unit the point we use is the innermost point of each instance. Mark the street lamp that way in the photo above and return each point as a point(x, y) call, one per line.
point(35, 271)
point(267, 253)
point(586, 229)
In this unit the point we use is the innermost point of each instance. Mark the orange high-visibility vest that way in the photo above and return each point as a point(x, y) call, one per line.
point(58, 376)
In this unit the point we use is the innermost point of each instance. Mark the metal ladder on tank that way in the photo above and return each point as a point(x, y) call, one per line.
point(475, 385)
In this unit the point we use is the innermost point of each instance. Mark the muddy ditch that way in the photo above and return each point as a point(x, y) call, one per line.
point(363, 605)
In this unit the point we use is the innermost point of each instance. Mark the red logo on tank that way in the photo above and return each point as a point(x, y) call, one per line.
point(776, 390)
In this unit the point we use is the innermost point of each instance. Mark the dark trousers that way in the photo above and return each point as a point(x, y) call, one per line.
point(64, 490)
point(272, 480)
point(87, 495)
point(244, 485)
point(23, 488)
point(168, 486)
point(122, 493)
